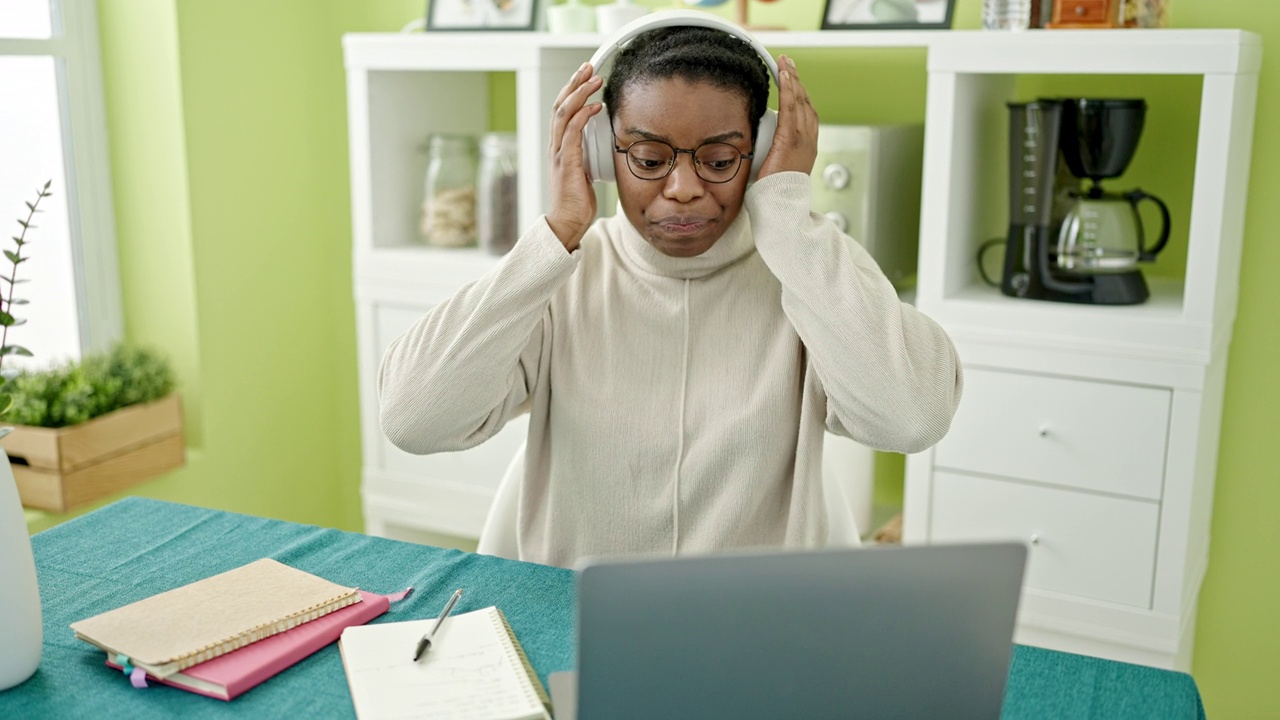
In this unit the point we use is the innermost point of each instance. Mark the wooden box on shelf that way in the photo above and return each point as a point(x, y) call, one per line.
point(1086, 14)
point(59, 468)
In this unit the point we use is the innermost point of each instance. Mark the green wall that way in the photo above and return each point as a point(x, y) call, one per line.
point(227, 122)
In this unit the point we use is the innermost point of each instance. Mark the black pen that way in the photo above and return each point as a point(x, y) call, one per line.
point(425, 643)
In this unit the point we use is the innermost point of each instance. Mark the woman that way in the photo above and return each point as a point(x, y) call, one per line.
point(679, 361)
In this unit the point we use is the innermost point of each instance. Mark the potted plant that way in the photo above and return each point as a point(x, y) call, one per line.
point(20, 623)
point(86, 429)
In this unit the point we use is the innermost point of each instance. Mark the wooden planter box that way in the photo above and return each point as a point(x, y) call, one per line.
point(58, 469)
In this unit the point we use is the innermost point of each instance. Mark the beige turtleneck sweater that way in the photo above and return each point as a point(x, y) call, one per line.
point(676, 405)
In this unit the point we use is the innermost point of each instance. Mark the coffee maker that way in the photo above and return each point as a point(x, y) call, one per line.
point(1067, 243)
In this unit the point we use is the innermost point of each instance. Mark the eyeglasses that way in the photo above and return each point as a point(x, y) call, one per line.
point(714, 162)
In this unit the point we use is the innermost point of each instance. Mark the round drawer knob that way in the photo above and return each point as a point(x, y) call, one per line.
point(836, 176)
point(839, 220)
point(1044, 431)
point(1035, 538)
point(1081, 10)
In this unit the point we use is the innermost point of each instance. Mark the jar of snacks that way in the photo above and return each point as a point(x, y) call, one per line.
point(497, 214)
point(449, 192)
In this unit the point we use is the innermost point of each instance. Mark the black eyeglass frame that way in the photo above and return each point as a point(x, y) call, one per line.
point(675, 157)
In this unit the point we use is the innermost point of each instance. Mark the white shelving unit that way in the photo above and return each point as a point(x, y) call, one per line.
point(1089, 432)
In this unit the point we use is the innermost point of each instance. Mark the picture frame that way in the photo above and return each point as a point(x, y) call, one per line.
point(888, 14)
point(463, 15)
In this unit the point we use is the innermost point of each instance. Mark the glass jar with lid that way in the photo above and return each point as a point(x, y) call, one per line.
point(497, 211)
point(449, 192)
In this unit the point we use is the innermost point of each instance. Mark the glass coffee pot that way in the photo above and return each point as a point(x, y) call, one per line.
point(1103, 233)
point(1102, 239)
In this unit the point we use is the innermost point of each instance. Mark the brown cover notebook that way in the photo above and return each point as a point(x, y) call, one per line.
point(174, 630)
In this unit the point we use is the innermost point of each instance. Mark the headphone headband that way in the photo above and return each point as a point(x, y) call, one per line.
point(679, 18)
point(597, 136)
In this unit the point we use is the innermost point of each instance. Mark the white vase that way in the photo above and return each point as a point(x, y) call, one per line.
point(20, 623)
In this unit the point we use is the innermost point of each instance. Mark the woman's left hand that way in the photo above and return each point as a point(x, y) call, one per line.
point(795, 144)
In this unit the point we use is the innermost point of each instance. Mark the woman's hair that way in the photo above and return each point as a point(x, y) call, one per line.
point(694, 54)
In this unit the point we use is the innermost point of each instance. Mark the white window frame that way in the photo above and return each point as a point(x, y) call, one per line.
point(78, 62)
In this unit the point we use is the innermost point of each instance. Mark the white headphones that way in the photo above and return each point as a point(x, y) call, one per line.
point(597, 136)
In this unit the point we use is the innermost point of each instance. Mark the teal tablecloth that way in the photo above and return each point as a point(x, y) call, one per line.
point(136, 548)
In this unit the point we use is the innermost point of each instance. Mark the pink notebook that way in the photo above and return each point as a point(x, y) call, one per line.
point(230, 675)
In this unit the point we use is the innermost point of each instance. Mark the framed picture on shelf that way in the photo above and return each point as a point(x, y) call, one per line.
point(481, 14)
point(888, 14)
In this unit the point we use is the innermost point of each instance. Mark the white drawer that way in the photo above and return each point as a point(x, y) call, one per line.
point(1081, 544)
point(1076, 433)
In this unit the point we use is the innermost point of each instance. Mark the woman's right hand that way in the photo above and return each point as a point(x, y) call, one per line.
point(573, 202)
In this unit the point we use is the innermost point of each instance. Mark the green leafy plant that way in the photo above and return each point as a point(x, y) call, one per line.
point(7, 298)
point(75, 392)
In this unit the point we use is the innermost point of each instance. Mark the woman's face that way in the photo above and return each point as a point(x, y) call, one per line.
point(681, 215)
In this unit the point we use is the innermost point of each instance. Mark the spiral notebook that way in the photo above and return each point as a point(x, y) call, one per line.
point(231, 675)
point(475, 670)
point(169, 632)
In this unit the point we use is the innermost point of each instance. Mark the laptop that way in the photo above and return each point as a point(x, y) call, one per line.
point(876, 632)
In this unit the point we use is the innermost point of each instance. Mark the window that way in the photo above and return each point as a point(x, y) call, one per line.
point(52, 127)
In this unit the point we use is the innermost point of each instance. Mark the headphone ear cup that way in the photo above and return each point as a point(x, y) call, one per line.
point(764, 140)
point(597, 148)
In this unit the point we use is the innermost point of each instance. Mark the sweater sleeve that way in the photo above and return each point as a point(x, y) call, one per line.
point(891, 375)
point(459, 373)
